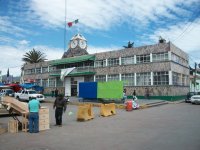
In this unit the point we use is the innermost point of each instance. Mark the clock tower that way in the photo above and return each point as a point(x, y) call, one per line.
point(77, 46)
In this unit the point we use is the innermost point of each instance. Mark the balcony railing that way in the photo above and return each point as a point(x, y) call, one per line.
point(83, 69)
point(76, 70)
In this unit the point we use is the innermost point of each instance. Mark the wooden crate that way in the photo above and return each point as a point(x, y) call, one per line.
point(24, 122)
point(3, 130)
point(44, 122)
point(13, 126)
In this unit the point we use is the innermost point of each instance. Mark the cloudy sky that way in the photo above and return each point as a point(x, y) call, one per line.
point(106, 24)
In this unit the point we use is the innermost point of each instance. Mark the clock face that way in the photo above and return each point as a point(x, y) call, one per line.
point(74, 43)
point(82, 44)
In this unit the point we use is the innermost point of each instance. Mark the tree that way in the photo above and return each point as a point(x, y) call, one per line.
point(34, 56)
point(130, 45)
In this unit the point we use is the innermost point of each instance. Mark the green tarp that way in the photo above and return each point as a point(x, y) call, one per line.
point(110, 90)
point(72, 60)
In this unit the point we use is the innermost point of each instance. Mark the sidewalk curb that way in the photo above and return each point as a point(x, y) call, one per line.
point(118, 106)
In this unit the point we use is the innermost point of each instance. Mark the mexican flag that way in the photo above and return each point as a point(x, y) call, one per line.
point(70, 24)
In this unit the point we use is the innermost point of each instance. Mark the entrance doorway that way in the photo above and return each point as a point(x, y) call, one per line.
point(73, 87)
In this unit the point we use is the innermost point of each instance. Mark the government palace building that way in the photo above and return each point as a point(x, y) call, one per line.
point(161, 69)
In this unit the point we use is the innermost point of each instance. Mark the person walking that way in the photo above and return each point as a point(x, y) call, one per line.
point(52, 93)
point(124, 96)
point(147, 93)
point(60, 106)
point(33, 106)
point(134, 95)
point(56, 92)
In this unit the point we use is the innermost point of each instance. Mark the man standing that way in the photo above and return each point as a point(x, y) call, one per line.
point(56, 92)
point(52, 93)
point(33, 106)
point(60, 105)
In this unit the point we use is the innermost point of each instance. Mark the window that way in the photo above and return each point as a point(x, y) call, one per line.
point(59, 83)
point(127, 60)
point(27, 71)
point(45, 83)
point(176, 78)
point(44, 69)
point(101, 78)
point(37, 82)
point(128, 79)
point(160, 57)
point(179, 60)
point(38, 70)
point(184, 80)
point(113, 77)
point(143, 78)
point(33, 71)
point(113, 61)
point(160, 78)
point(142, 59)
point(52, 69)
point(100, 63)
point(52, 82)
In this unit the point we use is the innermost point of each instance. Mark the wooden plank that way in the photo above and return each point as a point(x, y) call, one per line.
point(18, 106)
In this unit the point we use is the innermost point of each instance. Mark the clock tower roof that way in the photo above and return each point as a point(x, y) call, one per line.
point(77, 46)
point(78, 36)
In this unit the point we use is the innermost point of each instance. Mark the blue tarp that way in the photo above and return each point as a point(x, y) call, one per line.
point(1, 84)
point(27, 85)
point(88, 90)
point(32, 86)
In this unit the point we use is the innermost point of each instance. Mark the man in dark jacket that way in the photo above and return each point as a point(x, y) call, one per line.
point(60, 105)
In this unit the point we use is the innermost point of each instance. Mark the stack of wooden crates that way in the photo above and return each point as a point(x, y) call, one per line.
point(44, 118)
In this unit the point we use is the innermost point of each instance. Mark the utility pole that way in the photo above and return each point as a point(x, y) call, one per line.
point(195, 76)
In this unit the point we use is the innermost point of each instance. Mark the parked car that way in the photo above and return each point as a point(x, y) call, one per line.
point(17, 94)
point(189, 95)
point(7, 92)
point(195, 99)
point(25, 95)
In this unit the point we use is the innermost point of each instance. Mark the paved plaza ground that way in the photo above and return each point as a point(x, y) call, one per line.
point(171, 126)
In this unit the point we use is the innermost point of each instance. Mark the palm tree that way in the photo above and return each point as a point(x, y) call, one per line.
point(34, 56)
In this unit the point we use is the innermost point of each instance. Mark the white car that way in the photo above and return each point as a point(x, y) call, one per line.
point(7, 92)
point(25, 95)
point(195, 99)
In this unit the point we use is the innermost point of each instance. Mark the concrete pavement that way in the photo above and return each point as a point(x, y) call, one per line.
point(144, 103)
point(173, 127)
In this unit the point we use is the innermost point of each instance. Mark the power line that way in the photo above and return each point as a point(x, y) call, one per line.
point(192, 20)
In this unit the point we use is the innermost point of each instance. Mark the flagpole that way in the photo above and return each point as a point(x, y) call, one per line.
point(65, 25)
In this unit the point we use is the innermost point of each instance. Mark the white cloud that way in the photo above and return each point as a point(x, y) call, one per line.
point(50, 52)
point(10, 58)
point(7, 26)
point(185, 35)
point(102, 14)
point(23, 42)
point(94, 49)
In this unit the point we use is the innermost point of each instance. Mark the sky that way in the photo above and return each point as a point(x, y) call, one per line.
point(106, 24)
